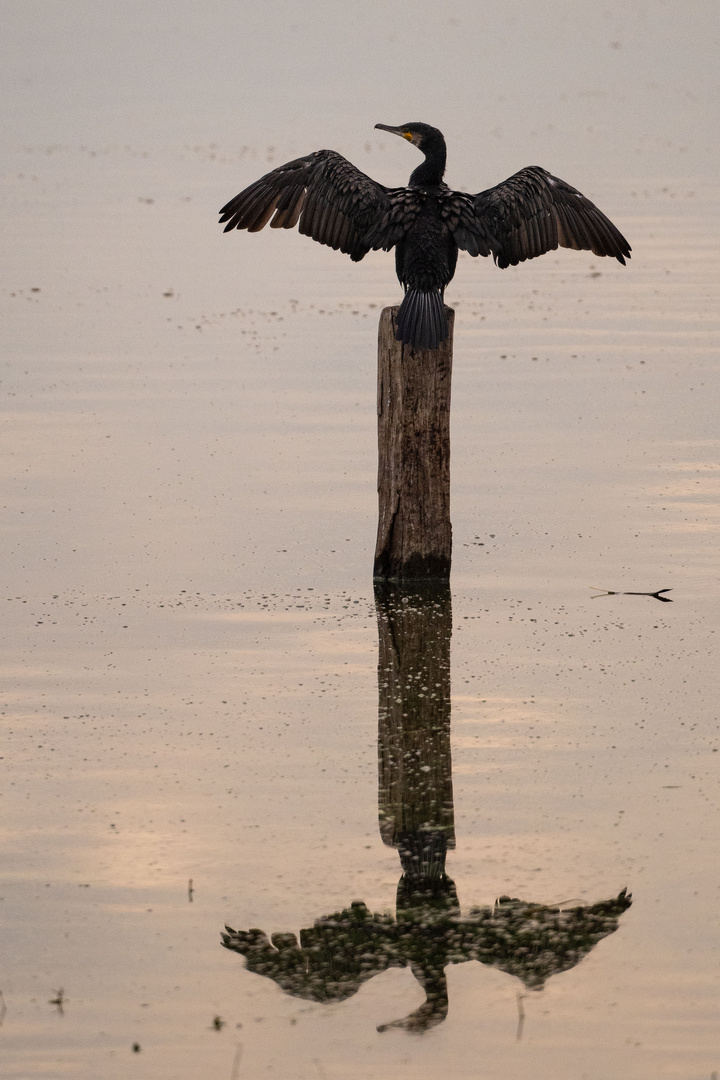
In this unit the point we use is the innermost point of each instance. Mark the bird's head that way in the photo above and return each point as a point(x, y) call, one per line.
point(421, 135)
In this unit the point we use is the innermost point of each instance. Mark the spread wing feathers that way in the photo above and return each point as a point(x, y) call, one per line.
point(470, 229)
point(457, 212)
point(533, 212)
point(333, 202)
point(404, 205)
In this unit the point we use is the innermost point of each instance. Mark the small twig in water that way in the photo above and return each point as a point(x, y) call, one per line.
point(236, 1062)
point(521, 1016)
point(190, 891)
point(3, 1008)
point(58, 1001)
point(657, 595)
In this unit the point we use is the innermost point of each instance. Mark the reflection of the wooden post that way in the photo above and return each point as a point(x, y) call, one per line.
point(415, 797)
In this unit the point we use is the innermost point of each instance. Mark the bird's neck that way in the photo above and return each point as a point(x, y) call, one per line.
point(430, 173)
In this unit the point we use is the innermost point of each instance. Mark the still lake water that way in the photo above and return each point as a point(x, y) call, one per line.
point(191, 637)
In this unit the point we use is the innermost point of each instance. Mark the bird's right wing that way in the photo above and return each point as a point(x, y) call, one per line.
point(334, 202)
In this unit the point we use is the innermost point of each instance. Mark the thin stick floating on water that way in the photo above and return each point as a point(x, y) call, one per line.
point(521, 1016)
point(58, 1001)
point(657, 595)
point(236, 1062)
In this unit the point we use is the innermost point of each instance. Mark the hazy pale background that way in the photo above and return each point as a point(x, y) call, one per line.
point(188, 525)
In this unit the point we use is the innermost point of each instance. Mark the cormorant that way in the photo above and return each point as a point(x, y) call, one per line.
point(426, 222)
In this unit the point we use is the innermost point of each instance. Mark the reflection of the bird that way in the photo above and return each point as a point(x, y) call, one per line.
point(342, 951)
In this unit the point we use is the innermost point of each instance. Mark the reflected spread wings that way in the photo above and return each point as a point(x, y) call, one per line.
point(533, 212)
point(334, 203)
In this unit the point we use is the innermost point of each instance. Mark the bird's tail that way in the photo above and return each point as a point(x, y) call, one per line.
point(421, 320)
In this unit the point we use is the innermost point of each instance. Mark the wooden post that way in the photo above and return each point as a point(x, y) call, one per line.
point(414, 540)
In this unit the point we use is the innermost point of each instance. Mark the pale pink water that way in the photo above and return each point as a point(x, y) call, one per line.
point(189, 666)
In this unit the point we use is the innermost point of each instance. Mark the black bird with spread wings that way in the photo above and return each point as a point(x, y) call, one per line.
point(426, 222)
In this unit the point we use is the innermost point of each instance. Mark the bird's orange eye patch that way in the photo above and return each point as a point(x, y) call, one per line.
point(407, 135)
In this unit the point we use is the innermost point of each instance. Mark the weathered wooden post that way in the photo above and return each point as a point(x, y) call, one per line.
point(414, 540)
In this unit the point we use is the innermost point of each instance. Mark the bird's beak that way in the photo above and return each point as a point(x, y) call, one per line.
point(394, 130)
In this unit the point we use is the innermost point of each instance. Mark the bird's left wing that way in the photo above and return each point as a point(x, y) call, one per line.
point(533, 212)
point(334, 202)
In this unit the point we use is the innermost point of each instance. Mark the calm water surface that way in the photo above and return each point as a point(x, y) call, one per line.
point(483, 822)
